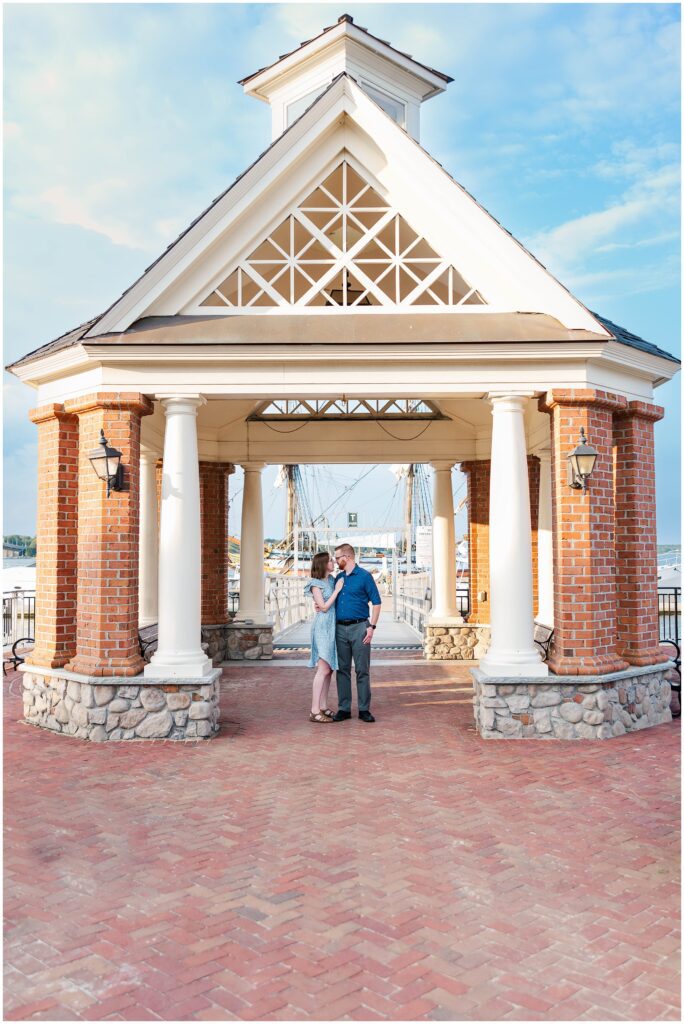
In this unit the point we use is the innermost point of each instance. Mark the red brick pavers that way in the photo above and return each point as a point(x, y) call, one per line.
point(402, 870)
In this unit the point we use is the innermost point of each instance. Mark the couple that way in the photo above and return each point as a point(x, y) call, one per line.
point(341, 632)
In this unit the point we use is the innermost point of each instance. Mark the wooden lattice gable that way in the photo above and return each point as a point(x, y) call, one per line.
point(344, 245)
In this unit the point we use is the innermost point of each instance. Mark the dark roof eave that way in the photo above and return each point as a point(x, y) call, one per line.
point(140, 327)
point(346, 17)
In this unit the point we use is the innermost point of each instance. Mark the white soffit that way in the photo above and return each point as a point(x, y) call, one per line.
point(344, 123)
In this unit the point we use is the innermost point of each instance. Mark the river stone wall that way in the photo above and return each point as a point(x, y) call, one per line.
point(99, 709)
point(233, 641)
point(456, 643)
point(571, 707)
point(248, 643)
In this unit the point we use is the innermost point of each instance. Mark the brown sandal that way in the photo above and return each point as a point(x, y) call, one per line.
point(327, 712)
point(321, 718)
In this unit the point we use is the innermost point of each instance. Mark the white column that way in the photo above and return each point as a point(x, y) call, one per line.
point(545, 541)
point(179, 653)
point(443, 547)
point(251, 604)
point(512, 651)
point(148, 567)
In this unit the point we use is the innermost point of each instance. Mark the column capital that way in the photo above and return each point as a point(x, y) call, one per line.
point(642, 411)
point(442, 466)
point(582, 397)
point(148, 456)
point(128, 401)
point(509, 401)
point(45, 413)
point(181, 404)
point(253, 467)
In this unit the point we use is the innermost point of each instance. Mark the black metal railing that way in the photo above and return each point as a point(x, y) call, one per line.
point(669, 631)
point(669, 614)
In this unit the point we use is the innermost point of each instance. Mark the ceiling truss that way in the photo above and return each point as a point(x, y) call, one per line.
point(344, 408)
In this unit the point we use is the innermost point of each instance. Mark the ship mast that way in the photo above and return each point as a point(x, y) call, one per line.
point(408, 514)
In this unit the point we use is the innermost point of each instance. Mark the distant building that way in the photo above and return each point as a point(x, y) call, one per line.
point(10, 549)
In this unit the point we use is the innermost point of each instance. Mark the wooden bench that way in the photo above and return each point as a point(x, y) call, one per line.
point(148, 638)
point(543, 637)
point(20, 650)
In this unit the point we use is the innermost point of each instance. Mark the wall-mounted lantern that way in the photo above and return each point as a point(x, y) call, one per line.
point(581, 463)
point(107, 464)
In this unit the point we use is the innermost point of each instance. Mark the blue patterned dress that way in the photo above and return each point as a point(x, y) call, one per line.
point(323, 628)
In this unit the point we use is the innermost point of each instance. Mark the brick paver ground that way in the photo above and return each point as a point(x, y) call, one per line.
point(402, 870)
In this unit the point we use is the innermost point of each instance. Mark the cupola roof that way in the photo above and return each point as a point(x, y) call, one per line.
point(393, 79)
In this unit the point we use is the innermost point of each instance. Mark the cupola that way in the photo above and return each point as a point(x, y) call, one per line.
point(394, 80)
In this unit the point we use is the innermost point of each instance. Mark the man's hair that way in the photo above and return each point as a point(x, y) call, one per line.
point(346, 549)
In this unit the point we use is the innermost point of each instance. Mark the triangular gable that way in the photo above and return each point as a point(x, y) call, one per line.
point(479, 264)
point(343, 245)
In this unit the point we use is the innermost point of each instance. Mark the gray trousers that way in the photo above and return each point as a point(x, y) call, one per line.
point(349, 646)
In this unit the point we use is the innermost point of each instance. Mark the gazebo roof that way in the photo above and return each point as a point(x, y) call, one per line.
point(383, 328)
point(156, 310)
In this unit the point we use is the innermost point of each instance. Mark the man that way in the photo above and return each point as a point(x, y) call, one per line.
point(354, 633)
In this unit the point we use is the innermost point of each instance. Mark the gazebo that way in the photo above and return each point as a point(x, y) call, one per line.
point(345, 300)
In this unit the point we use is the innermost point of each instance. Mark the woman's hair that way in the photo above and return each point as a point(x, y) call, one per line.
point(319, 565)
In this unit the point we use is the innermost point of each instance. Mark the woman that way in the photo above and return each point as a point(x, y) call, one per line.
point(324, 591)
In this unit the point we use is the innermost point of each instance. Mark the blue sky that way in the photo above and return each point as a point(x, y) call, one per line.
point(123, 121)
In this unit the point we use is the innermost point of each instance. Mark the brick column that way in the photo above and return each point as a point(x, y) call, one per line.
point(585, 592)
point(108, 528)
point(635, 534)
point(477, 474)
point(533, 475)
point(213, 478)
point(55, 626)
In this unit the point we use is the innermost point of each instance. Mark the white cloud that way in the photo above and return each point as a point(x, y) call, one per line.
point(643, 215)
point(115, 128)
point(88, 210)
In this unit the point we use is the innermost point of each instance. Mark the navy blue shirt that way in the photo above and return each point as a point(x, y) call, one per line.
point(359, 589)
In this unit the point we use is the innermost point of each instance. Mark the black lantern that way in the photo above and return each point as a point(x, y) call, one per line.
point(581, 463)
point(107, 464)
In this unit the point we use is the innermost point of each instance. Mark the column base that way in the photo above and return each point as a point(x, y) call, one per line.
point(182, 665)
point(126, 667)
point(102, 709)
point(565, 708)
point(639, 656)
point(528, 664)
point(258, 618)
point(600, 664)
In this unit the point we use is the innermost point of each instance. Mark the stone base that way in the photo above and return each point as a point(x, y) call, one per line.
point(571, 707)
point(249, 642)
point(113, 708)
point(456, 642)
point(237, 641)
